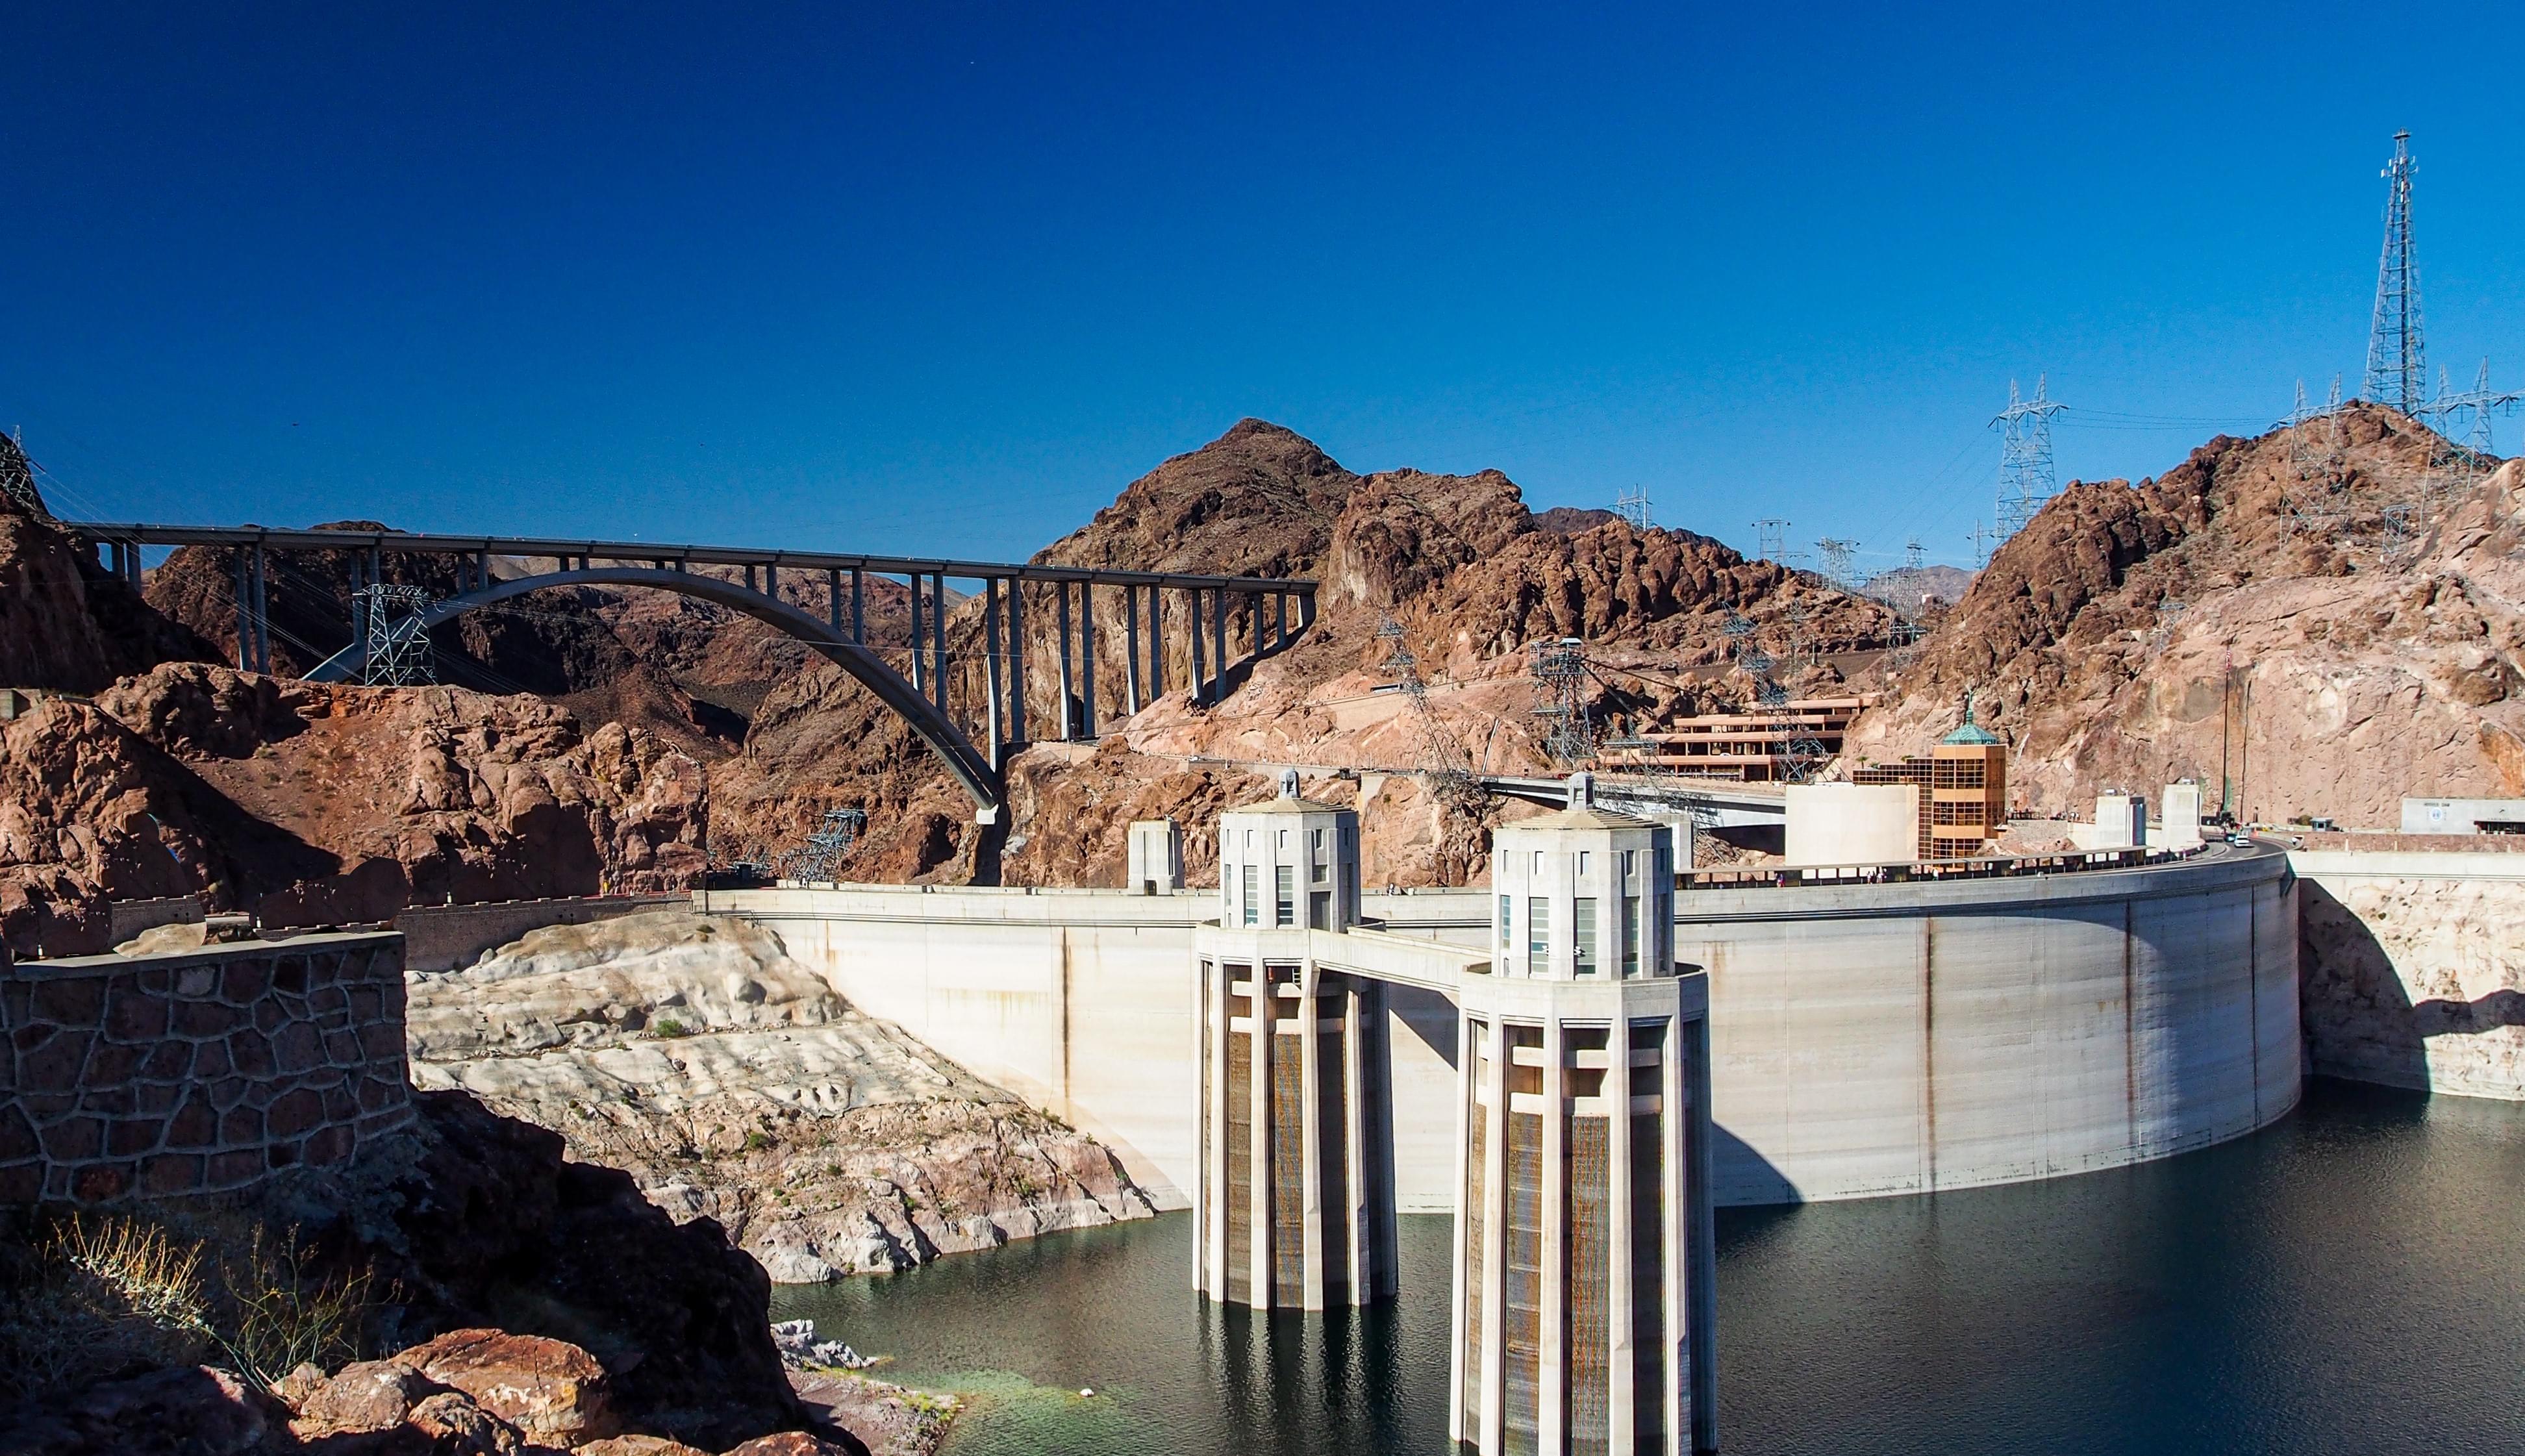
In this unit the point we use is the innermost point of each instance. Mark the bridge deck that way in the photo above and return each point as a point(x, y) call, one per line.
point(280, 539)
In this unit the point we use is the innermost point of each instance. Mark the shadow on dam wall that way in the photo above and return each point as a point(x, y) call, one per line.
point(2360, 1020)
point(1747, 1175)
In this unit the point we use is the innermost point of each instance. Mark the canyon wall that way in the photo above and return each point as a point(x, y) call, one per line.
point(2413, 969)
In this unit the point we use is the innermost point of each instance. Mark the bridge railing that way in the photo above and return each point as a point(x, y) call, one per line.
point(1216, 610)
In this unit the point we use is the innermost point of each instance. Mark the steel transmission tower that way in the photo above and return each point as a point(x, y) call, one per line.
point(2469, 411)
point(1916, 557)
point(1632, 505)
point(1559, 671)
point(2398, 372)
point(2025, 480)
point(1836, 554)
point(396, 651)
point(18, 479)
point(827, 845)
point(1771, 534)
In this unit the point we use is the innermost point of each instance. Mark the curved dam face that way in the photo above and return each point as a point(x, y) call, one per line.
point(1901, 1038)
point(1866, 1039)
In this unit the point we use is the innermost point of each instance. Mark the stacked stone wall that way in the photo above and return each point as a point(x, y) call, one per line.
point(198, 1071)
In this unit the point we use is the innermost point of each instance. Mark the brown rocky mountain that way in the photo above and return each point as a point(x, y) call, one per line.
point(338, 803)
point(1570, 521)
point(1456, 560)
point(65, 622)
point(2329, 625)
point(315, 804)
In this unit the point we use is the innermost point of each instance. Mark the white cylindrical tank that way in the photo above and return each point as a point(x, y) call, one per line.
point(1852, 824)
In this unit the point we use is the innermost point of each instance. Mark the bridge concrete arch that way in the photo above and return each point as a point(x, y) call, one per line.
point(972, 768)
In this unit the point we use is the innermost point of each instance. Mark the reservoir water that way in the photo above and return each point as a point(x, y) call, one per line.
point(2350, 1280)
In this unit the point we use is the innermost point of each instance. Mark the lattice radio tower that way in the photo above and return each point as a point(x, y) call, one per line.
point(1771, 540)
point(2025, 478)
point(2398, 372)
point(1632, 505)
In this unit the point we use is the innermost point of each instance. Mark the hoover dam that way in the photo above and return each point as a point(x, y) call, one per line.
point(1868, 1039)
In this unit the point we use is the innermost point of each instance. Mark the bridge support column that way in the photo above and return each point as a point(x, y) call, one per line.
point(1087, 659)
point(259, 615)
point(912, 581)
point(996, 746)
point(1157, 644)
point(1060, 623)
point(1130, 650)
point(938, 634)
point(1219, 645)
point(1200, 678)
point(859, 608)
point(1017, 660)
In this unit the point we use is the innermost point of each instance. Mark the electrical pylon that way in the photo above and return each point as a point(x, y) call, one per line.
point(2025, 478)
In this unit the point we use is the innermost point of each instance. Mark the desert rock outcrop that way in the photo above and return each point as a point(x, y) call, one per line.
point(725, 1075)
point(2330, 638)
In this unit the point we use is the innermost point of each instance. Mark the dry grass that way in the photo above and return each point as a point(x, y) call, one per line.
point(113, 1296)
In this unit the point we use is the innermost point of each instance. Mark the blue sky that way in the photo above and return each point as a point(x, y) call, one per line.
point(943, 278)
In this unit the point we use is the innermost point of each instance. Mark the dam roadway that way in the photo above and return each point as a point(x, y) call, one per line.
point(1868, 1039)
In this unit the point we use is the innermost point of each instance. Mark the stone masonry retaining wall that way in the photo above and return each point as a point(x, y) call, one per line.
point(197, 1071)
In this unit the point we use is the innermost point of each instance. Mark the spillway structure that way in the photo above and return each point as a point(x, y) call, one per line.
point(1583, 1320)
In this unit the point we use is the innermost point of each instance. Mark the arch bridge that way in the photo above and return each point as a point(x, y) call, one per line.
point(973, 738)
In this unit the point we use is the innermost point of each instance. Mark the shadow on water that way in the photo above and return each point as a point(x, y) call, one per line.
point(2347, 1280)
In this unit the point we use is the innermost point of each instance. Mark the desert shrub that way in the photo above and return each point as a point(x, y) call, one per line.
point(113, 1296)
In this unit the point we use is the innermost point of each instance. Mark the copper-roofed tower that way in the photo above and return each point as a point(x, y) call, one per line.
point(1963, 789)
point(1583, 1263)
point(1295, 1199)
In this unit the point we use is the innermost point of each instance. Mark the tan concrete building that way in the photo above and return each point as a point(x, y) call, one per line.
point(1964, 790)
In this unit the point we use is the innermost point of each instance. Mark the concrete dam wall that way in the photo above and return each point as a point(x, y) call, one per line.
point(1866, 1039)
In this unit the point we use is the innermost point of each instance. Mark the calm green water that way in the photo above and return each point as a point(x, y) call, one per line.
point(2352, 1281)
